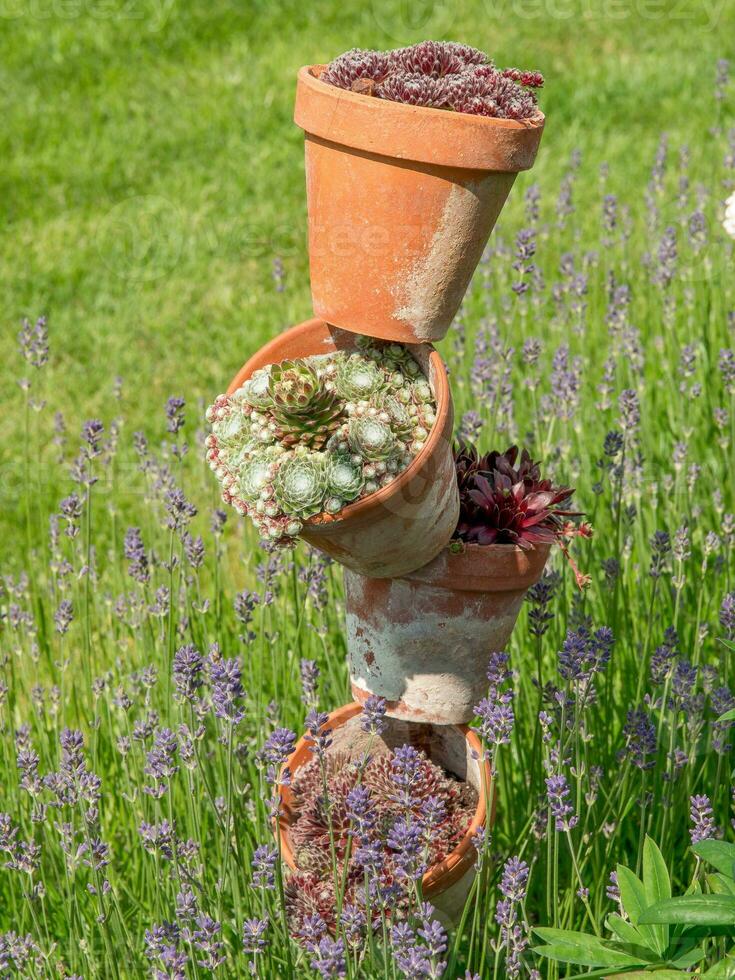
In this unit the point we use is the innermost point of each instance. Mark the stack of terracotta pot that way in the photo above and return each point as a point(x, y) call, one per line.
point(401, 201)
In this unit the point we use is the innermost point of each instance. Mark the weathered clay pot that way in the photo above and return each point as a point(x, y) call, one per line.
point(401, 201)
point(423, 641)
point(457, 749)
point(401, 526)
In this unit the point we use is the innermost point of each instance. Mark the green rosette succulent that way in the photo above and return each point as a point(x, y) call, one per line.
point(300, 485)
point(401, 421)
point(371, 439)
point(232, 430)
point(344, 479)
point(357, 378)
point(305, 408)
point(256, 478)
point(255, 392)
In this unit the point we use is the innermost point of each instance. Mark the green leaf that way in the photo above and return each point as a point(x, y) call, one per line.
point(728, 716)
point(715, 910)
point(689, 958)
point(580, 954)
point(633, 898)
point(657, 886)
point(718, 853)
point(721, 884)
point(625, 932)
point(656, 974)
point(724, 970)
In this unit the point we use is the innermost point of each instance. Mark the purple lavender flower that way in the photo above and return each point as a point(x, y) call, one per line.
point(328, 958)
point(309, 672)
point(63, 616)
point(318, 735)
point(727, 615)
point(372, 720)
point(584, 654)
point(188, 667)
point(254, 939)
point(225, 677)
point(539, 596)
point(406, 771)
point(264, 866)
point(135, 553)
point(405, 839)
point(175, 414)
point(558, 792)
point(206, 940)
point(161, 763)
point(278, 747)
point(641, 743)
point(496, 721)
point(701, 814)
point(514, 879)
point(360, 810)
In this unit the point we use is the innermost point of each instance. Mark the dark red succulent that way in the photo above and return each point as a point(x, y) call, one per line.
point(440, 75)
point(504, 500)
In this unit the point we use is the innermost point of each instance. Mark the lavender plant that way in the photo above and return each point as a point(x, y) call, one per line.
point(128, 614)
point(307, 437)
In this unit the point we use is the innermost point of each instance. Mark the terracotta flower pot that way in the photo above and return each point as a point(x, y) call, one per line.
point(401, 201)
point(457, 749)
point(423, 641)
point(401, 526)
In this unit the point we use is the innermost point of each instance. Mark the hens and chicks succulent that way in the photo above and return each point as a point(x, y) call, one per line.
point(439, 75)
point(309, 436)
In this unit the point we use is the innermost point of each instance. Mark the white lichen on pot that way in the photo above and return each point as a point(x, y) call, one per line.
point(308, 436)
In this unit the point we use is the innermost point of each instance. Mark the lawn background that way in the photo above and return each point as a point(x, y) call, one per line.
point(150, 171)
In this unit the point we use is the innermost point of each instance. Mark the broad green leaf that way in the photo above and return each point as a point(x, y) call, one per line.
point(657, 886)
point(719, 854)
point(656, 974)
point(715, 910)
point(724, 970)
point(582, 955)
point(626, 932)
point(689, 958)
point(633, 898)
point(721, 884)
point(728, 716)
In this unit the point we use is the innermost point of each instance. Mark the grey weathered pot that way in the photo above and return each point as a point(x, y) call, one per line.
point(423, 641)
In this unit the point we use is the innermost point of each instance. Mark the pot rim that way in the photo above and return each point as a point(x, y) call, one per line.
point(484, 567)
point(441, 429)
point(439, 877)
point(411, 132)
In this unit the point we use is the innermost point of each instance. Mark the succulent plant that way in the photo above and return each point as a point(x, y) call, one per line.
point(304, 409)
point(357, 378)
point(438, 74)
point(300, 485)
point(505, 501)
point(255, 392)
point(324, 821)
point(371, 438)
point(344, 479)
point(308, 436)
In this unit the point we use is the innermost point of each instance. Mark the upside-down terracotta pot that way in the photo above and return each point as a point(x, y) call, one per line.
point(405, 524)
point(423, 641)
point(401, 200)
point(454, 747)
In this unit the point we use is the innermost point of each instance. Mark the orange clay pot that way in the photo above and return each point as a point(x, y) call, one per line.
point(401, 201)
point(457, 749)
point(404, 525)
point(423, 641)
